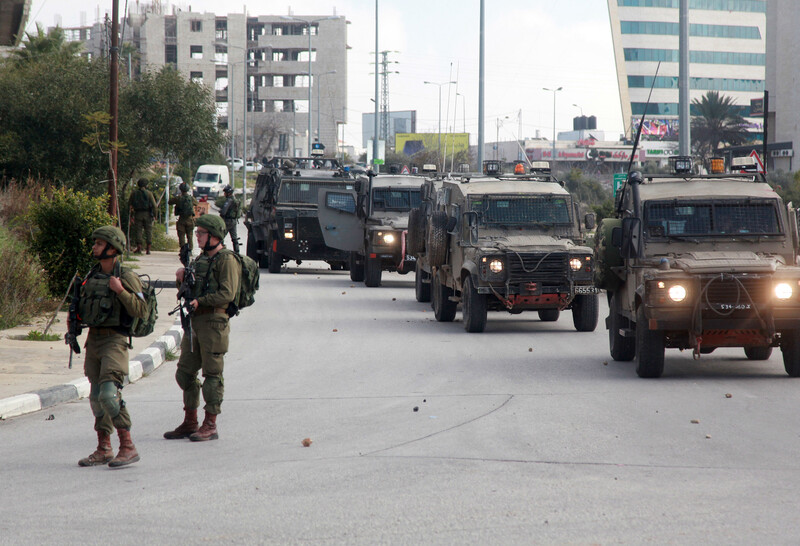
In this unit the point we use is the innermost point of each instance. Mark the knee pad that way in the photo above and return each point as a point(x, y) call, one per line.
point(186, 381)
point(109, 398)
point(213, 389)
point(94, 403)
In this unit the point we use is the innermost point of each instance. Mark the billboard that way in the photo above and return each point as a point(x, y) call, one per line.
point(657, 129)
point(414, 143)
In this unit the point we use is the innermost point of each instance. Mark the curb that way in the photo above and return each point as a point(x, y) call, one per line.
point(139, 366)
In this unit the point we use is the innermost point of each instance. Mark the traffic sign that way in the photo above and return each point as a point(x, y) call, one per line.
point(619, 180)
point(405, 170)
point(759, 163)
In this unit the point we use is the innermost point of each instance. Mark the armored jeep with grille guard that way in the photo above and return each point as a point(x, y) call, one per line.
point(506, 243)
point(282, 220)
point(371, 223)
point(699, 262)
point(417, 230)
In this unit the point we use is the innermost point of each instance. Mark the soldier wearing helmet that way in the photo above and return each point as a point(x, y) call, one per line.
point(110, 298)
point(184, 210)
point(217, 274)
point(230, 212)
point(142, 212)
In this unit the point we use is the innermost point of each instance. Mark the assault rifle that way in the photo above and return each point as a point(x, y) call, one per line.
point(74, 328)
point(186, 293)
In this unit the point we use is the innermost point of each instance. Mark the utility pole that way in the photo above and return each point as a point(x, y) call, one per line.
point(113, 126)
point(375, 165)
point(685, 134)
point(384, 73)
point(481, 77)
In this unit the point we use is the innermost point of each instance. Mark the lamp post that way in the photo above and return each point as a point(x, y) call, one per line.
point(439, 85)
point(319, 94)
point(464, 111)
point(308, 27)
point(578, 107)
point(497, 137)
point(553, 155)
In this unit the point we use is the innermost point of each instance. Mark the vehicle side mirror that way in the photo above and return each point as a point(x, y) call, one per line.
point(616, 237)
point(357, 186)
point(631, 229)
point(451, 223)
point(589, 221)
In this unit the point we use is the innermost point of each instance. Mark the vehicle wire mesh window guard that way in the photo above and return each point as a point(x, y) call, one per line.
point(523, 210)
point(395, 199)
point(665, 219)
point(305, 192)
point(341, 201)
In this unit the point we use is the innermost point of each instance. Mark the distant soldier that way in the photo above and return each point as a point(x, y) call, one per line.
point(142, 205)
point(230, 212)
point(216, 285)
point(110, 297)
point(184, 210)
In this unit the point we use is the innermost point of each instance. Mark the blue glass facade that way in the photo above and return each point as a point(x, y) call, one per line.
point(696, 57)
point(705, 84)
point(671, 109)
point(754, 6)
point(672, 29)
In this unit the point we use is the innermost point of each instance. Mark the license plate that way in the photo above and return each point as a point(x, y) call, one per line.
point(411, 258)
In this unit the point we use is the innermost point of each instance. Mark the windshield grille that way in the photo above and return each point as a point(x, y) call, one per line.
point(547, 210)
point(549, 269)
point(388, 199)
point(728, 296)
point(716, 219)
point(306, 191)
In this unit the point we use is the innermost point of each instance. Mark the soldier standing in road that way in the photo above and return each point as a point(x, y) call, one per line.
point(143, 206)
point(184, 210)
point(230, 212)
point(110, 297)
point(217, 276)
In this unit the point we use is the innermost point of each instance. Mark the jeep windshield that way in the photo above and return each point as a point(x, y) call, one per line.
point(679, 219)
point(206, 177)
point(306, 191)
point(540, 210)
point(395, 200)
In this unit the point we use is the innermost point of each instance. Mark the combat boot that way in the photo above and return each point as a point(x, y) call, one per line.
point(208, 430)
point(138, 249)
point(127, 453)
point(103, 454)
point(147, 251)
point(185, 429)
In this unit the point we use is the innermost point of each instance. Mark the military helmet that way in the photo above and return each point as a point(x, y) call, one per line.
point(142, 183)
point(227, 189)
point(213, 224)
point(183, 187)
point(112, 235)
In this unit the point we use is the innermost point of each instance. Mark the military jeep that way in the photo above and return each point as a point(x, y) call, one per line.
point(506, 243)
point(370, 223)
point(282, 220)
point(700, 262)
point(417, 226)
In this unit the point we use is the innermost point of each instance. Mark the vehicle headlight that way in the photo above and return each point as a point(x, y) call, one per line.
point(783, 291)
point(496, 266)
point(388, 238)
point(575, 264)
point(677, 293)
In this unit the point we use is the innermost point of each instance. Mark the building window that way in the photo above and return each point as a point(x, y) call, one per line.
point(705, 31)
point(170, 27)
point(196, 77)
point(221, 55)
point(705, 84)
point(301, 80)
point(278, 55)
point(171, 54)
point(196, 25)
point(283, 143)
point(221, 30)
point(277, 81)
point(303, 55)
point(695, 57)
point(196, 51)
point(755, 6)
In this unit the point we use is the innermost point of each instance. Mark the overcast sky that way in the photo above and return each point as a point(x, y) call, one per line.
point(530, 44)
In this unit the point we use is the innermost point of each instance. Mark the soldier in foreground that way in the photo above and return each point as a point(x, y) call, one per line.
point(216, 274)
point(143, 205)
point(110, 297)
point(184, 210)
point(230, 212)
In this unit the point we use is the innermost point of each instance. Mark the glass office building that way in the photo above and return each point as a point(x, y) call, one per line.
point(727, 53)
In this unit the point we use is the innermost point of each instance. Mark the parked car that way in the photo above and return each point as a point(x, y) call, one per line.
point(235, 164)
point(253, 166)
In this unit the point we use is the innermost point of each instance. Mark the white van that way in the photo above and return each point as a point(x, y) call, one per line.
point(209, 180)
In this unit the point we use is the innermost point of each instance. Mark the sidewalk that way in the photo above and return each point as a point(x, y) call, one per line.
point(34, 374)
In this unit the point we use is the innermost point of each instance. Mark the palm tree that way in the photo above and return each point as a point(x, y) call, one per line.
point(41, 45)
point(716, 123)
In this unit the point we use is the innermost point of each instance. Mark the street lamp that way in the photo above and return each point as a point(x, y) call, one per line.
point(553, 155)
point(497, 137)
point(308, 27)
point(439, 85)
point(578, 107)
point(464, 108)
point(319, 94)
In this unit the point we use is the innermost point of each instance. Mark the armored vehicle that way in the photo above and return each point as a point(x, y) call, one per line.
point(371, 223)
point(700, 262)
point(282, 219)
point(417, 228)
point(506, 243)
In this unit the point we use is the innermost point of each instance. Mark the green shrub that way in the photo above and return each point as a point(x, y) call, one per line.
point(23, 289)
point(62, 227)
point(36, 335)
point(161, 241)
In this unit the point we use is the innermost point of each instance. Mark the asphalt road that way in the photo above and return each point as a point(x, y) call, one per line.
point(422, 434)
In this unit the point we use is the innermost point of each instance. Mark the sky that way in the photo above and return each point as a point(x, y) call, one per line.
point(529, 45)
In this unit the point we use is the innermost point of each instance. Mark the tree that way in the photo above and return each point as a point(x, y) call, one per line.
point(716, 123)
point(265, 132)
point(52, 45)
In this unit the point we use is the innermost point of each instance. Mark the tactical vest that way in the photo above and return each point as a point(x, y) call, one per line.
point(230, 209)
point(184, 207)
point(205, 281)
point(99, 305)
point(140, 200)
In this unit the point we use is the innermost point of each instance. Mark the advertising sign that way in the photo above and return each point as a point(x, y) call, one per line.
point(657, 129)
point(414, 143)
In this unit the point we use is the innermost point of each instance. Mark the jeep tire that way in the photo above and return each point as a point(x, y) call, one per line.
point(758, 353)
point(415, 241)
point(443, 309)
point(356, 267)
point(649, 348)
point(585, 310)
point(790, 347)
point(372, 271)
point(275, 260)
point(549, 315)
point(422, 289)
point(436, 244)
point(622, 349)
point(473, 307)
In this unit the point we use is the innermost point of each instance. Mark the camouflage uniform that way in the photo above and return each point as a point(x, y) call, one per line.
point(143, 204)
point(184, 210)
point(230, 213)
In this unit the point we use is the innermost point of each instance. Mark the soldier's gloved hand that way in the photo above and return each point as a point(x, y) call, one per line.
point(115, 284)
point(195, 304)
